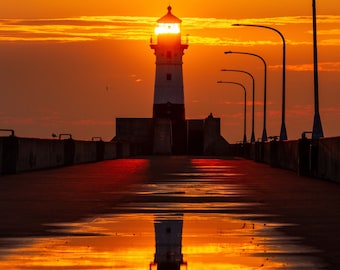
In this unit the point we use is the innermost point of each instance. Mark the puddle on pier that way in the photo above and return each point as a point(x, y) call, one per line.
point(207, 241)
point(176, 224)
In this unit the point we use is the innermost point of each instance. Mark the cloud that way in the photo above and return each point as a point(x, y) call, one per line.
point(88, 122)
point(304, 111)
point(300, 111)
point(9, 121)
point(226, 41)
point(233, 103)
point(49, 118)
point(322, 66)
point(77, 29)
point(330, 42)
point(207, 31)
point(249, 103)
point(135, 78)
point(214, 23)
point(274, 113)
point(333, 111)
point(331, 32)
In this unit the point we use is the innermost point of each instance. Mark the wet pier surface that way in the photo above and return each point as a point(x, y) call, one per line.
point(177, 212)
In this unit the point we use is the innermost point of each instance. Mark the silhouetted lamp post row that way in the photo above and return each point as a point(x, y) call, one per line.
point(317, 126)
point(245, 108)
point(264, 132)
point(252, 138)
point(283, 132)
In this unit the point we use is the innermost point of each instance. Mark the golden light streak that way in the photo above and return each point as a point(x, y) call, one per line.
point(329, 32)
point(323, 66)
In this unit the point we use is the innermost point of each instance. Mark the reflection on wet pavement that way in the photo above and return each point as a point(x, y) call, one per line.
point(188, 220)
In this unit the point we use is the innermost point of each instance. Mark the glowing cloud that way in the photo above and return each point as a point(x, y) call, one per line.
point(323, 66)
point(207, 31)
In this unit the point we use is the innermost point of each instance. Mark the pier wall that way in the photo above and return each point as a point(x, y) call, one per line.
point(27, 154)
point(318, 158)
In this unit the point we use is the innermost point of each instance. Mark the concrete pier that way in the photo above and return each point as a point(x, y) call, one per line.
point(32, 202)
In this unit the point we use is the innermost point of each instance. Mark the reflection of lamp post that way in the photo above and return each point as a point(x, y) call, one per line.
point(252, 138)
point(245, 108)
point(264, 132)
point(317, 127)
point(283, 132)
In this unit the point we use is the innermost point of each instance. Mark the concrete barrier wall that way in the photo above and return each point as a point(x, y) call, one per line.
point(110, 151)
point(1, 155)
point(9, 156)
point(27, 154)
point(275, 153)
point(85, 152)
point(36, 154)
point(318, 158)
point(266, 153)
point(329, 159)
point(288, 155)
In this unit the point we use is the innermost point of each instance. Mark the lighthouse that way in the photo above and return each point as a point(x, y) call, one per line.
point(168, 104)
point(168, 132)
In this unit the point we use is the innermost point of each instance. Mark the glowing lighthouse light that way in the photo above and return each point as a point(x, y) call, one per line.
point(168, 24)
point(167, 28)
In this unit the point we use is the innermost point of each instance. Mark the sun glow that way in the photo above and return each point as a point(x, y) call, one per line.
point(167, 28)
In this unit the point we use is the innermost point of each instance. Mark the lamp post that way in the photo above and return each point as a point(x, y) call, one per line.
point(283, 131)
point(252, 138)
point(264, 132)
point(317, 127)
point(245, 108)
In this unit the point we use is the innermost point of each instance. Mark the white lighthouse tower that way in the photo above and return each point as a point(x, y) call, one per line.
point(169, 94)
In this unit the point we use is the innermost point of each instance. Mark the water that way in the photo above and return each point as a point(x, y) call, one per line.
point(197, 219)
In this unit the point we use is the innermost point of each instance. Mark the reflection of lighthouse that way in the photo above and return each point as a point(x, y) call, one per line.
point(168, 254)
point(168, 104)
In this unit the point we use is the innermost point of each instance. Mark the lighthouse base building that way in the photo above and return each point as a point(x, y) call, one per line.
point(149, 136)
point(168, 132)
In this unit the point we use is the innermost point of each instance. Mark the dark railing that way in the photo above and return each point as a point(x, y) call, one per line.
point(8, 130)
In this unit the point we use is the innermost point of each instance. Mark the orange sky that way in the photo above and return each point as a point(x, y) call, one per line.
point(74, 66)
